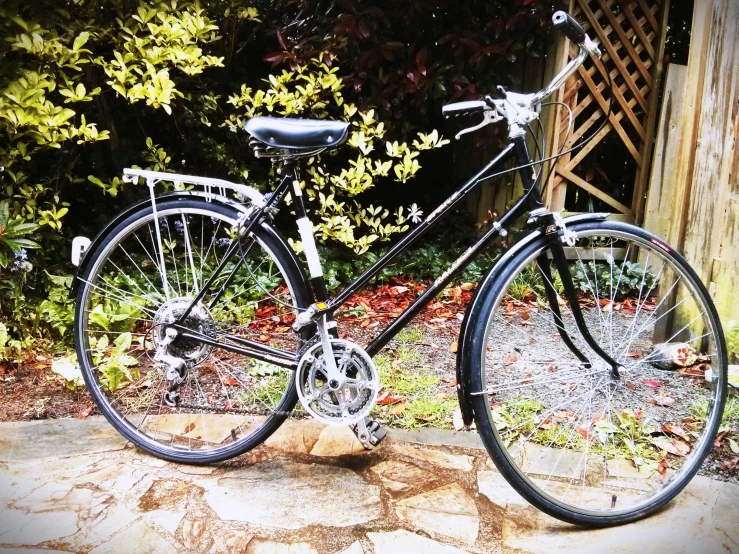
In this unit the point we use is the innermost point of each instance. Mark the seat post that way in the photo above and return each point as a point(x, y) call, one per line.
point(305, 228)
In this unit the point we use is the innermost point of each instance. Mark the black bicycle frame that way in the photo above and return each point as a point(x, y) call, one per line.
point(530, 200)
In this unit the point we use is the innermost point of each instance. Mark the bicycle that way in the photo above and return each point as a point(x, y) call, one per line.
point(581, 356)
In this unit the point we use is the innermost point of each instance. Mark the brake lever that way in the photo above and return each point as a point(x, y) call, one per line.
point(488, 117)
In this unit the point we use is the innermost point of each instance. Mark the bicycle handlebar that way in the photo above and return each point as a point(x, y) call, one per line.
point(566, 24)
point(463, 108)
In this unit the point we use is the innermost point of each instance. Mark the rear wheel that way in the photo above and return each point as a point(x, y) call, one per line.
point(578, 442)
point(227, 403)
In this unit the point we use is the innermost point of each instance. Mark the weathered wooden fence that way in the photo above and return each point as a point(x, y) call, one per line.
point(631, 35)
point(686, 185)
point(693, 197)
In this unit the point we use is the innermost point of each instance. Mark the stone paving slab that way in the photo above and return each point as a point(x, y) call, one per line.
point(75, 486)
point(34, 440)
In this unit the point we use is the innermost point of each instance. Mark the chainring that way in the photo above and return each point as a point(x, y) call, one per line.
point(347, 404)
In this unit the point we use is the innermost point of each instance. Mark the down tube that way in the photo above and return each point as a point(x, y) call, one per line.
point(429, 294)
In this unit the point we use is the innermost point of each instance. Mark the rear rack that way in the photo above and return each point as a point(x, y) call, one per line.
point(208, 184)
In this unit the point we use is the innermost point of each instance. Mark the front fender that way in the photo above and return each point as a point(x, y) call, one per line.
point(95, 244)
point(472, 313)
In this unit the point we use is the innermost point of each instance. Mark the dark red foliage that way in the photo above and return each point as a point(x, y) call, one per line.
point(407, 57)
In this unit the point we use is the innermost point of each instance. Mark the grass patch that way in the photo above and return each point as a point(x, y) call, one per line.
point(410, 335)
point(428, 411)
point(732, 340)
point(731, 412)
point(416, 389)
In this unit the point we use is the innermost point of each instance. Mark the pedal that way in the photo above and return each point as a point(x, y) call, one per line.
point(171, 398)
point(369, 433)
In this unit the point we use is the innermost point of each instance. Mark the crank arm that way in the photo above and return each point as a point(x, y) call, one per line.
point(336, 378)
point(368, 432)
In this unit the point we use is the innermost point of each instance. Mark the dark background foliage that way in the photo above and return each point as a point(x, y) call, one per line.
point(404, 58)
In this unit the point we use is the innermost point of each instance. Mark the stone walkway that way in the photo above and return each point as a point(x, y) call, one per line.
point(76, 486)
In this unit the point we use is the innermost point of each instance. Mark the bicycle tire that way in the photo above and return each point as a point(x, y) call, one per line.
point(526, 485)
point(271, 242)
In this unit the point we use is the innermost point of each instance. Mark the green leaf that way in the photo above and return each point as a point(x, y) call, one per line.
point(3, 338)
point(25, 243)
point(3, 259)
point(99, 317)
point(123, 342)
point(4, 212)
point(80, 41)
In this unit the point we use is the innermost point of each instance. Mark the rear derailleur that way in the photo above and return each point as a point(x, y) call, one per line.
point(176, 370)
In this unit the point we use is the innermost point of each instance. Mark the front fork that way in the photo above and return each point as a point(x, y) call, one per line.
point(556, 233)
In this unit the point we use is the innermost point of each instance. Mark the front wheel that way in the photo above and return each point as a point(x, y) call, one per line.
point(144, 275)
point(577, 441)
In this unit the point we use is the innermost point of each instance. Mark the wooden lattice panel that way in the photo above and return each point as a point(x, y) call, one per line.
point(630, 35)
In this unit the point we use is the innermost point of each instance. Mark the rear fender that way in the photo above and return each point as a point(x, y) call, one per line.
point(84, 263)
point(472, 315)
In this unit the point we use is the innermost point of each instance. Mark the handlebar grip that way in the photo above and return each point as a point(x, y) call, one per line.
point(463, 108)
point(565, 23)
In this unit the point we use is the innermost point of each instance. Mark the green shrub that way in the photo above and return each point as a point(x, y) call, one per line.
point(732, 341)
point(87, 88)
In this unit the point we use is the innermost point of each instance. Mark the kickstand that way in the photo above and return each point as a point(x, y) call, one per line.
point(369, 432)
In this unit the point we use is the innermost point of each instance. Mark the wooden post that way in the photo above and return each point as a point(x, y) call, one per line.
point(714, 132)
point(704, 220)
point(640, 185)
point(663, 181)
point(555, 120)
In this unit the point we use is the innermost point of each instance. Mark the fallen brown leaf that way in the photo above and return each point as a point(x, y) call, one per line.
point(676, 430)
point(398, 409)
point(673, 446)
point(663, 400)
point(389, 399)
point(584, 433)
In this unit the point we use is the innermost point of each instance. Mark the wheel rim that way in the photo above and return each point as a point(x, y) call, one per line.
point(226, 399)
point(576, 436)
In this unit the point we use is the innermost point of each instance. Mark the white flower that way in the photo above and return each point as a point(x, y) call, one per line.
point(414, 213)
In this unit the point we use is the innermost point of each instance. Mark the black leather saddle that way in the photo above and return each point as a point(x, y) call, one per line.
point(299, 135)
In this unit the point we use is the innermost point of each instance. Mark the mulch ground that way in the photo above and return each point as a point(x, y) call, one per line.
point(30, 390)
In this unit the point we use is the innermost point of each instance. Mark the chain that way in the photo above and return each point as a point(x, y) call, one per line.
point(247, 411)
